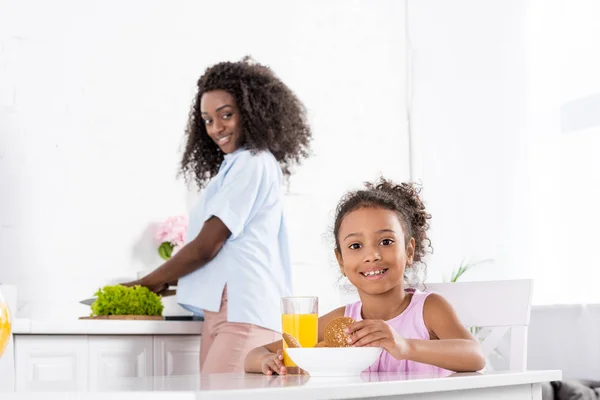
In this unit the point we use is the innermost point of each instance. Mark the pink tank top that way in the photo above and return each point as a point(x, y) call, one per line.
point(410, 325)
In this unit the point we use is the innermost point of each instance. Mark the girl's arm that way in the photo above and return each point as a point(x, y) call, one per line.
point(192, 256)
point(452, 347)
point(268, 359)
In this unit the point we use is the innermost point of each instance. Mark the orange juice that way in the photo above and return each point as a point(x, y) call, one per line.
point(4, 327)
point(304, 327)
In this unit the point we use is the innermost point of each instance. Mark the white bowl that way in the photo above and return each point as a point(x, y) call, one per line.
point(334, 361)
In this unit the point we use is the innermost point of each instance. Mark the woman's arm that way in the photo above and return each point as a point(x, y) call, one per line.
point(258, 360)
point(192, 256)
point(452, 347)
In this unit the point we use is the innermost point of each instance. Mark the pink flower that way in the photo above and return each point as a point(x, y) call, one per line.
point(172, 230)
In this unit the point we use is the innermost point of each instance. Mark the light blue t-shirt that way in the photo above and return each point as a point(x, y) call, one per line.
point(247, 195)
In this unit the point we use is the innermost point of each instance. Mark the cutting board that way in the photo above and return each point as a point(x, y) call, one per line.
point(124, 317)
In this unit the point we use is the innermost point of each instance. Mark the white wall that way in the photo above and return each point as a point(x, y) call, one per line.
point(94, 98)
point(468, 117)
point(564, 173)
point(503, 182)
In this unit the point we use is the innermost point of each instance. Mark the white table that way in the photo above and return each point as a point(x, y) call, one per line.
point(494, 386)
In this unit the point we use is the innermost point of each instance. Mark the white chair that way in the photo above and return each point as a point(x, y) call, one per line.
point(498, 306)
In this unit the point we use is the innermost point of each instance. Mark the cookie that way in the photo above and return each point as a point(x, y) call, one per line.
point(291, 341)
point(321, 344)
point(334, 332)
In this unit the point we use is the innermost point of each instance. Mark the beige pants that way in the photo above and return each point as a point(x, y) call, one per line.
point(225, 344)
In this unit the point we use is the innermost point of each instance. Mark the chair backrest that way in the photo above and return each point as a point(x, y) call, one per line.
point(499, 306)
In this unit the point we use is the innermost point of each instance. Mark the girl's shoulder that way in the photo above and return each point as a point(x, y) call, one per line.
point(437, 311)
point(433, 301)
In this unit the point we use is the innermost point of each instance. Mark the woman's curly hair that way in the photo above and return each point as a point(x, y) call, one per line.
point(404, 199)
point(272, 118)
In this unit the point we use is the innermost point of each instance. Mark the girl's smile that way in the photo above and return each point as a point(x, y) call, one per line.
point(374, 274)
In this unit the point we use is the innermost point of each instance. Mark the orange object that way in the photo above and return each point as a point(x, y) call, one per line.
point(303, 327)
point(4, 326)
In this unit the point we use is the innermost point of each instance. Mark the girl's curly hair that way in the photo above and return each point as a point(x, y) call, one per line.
point(272, 118)
point(405, 201)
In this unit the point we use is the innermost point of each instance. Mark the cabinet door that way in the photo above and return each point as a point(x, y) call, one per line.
point(115, 360)
point(176, 355)
point(51, 363)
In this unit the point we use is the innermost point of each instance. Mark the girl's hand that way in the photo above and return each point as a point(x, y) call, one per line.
point(377, 333)
point(273, 363)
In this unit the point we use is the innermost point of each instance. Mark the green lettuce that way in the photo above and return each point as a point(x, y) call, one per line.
point(121, 300)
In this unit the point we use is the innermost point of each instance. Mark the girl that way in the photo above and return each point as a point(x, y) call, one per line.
point(246, 129)
point(380, 241)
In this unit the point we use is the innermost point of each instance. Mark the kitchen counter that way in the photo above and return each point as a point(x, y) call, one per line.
point(499, 385)
point(104, 327)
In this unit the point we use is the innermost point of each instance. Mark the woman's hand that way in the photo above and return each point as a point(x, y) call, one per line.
point(158, 289)
point(273, 363)
point(377, 333)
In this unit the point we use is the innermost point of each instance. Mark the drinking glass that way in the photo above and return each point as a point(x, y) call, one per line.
point(299, 318)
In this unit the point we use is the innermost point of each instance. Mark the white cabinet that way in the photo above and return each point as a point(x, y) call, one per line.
point(85, 362)
point(51, 363)
point(118, 357)
point(176, 355)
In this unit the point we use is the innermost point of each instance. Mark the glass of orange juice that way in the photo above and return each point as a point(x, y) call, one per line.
point(300, 318)
point(4, 324)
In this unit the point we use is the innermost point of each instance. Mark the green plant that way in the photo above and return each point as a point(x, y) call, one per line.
point(464, 266)
point(122, 300)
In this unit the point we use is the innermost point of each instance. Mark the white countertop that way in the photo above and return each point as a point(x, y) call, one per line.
point(104, 327)
point(295, 387)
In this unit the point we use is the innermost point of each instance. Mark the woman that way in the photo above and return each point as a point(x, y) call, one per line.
point(246, 129)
